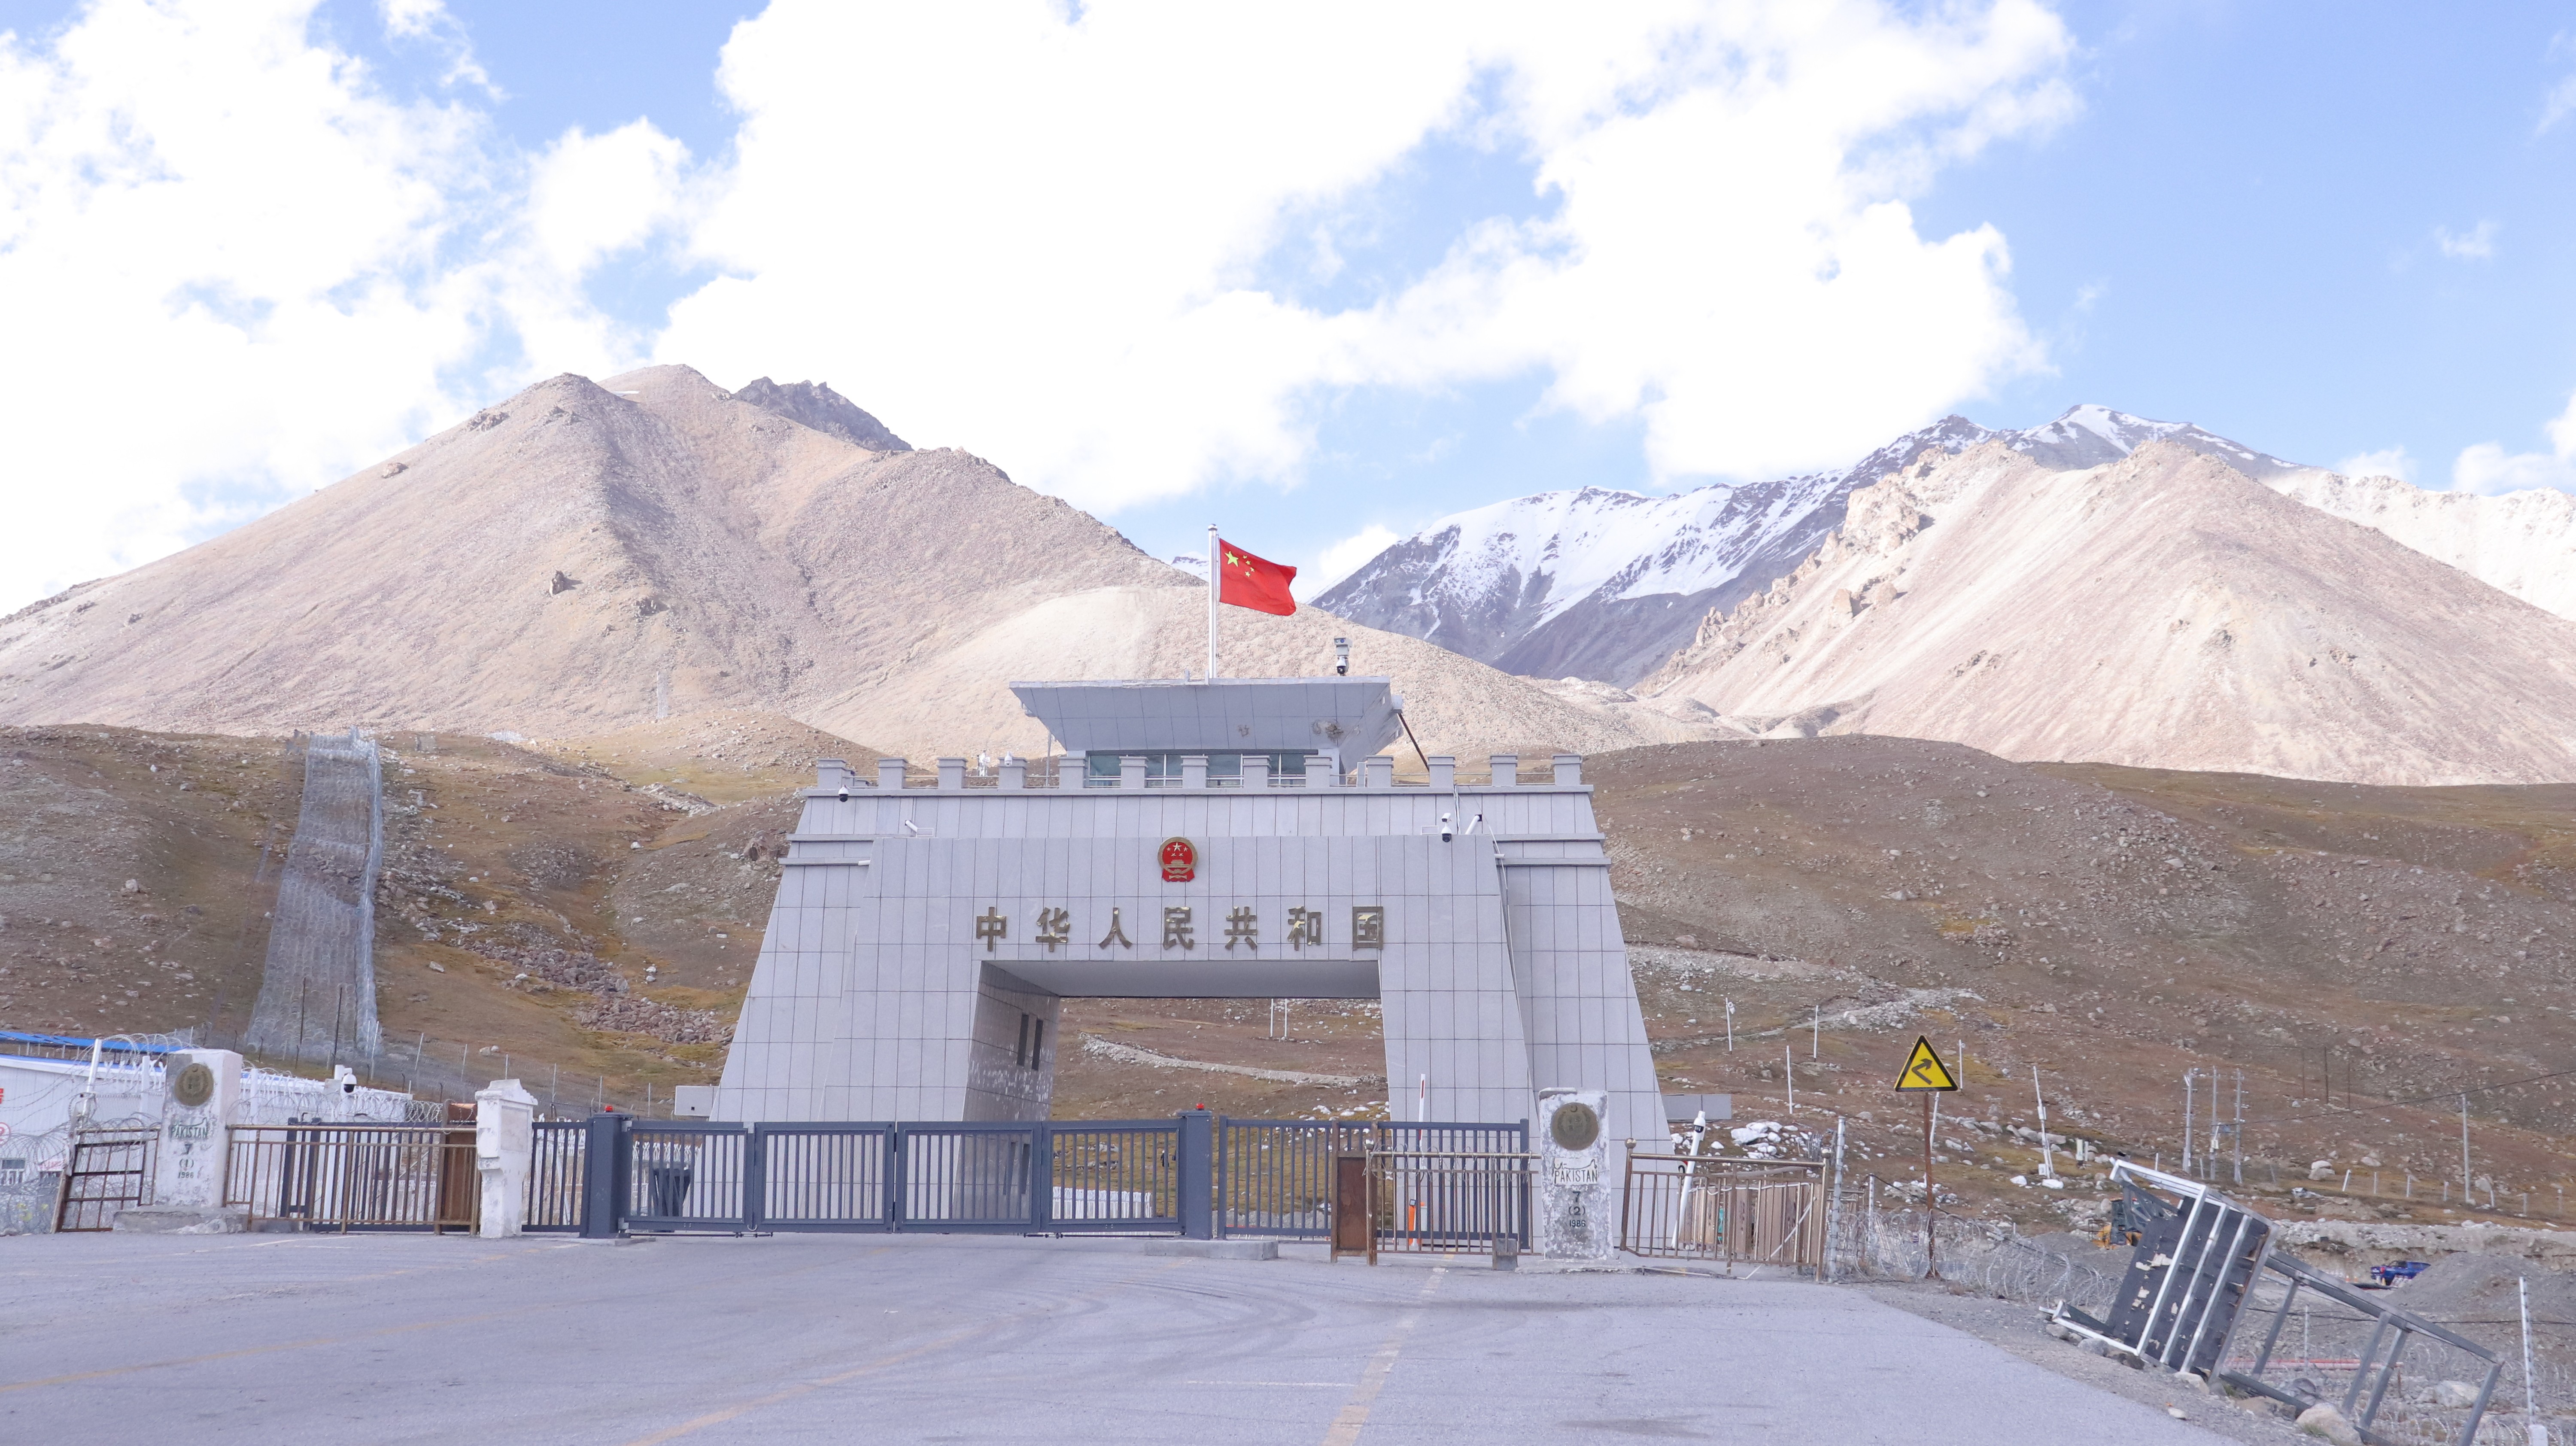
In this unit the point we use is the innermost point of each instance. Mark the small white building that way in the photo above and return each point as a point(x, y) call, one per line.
point(1242, 838)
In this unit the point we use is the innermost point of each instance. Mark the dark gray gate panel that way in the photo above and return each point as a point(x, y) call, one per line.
point(1115, 1176)
point(555, 1176)
point(824, 1176)
point(689, 1175)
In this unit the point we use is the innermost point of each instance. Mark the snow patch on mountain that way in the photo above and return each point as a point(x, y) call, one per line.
point(1604, 585)
point(2521, 542)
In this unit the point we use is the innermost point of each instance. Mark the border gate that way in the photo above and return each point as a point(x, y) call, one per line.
point(1193, 1174)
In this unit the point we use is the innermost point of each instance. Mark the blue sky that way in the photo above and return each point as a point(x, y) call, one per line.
point(1321, 284)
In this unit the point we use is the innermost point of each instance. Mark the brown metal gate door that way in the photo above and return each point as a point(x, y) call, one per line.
point(106, 1171)
point(1352, 1228)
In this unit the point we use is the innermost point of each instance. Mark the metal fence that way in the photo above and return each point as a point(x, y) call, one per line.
point(1275, 1177)
point(555, 1175)
point(2381, 1366)
point(355, 1177)
point(685, 1175)
point(106, 1171)
point(1759, 1212)
point(1422, 1201)
point(824, 1176)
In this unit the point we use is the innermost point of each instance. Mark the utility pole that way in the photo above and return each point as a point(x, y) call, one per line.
point(2236, 1133)
point(2464, 1148)
point(2186, 1121)
point(2047, 1157)
point(1730, 1026)
point(1815, 1030)
point(1789, 1068)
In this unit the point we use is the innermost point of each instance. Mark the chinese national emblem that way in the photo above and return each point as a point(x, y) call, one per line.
point(1180, 860)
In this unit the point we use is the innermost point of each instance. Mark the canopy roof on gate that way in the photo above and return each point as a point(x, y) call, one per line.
point(1350, 718)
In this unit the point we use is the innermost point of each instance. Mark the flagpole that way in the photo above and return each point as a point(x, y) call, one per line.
point(1212, 586)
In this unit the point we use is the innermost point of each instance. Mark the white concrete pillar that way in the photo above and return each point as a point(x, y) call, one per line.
point(203, 1096)
point(1569, 770)
point(1194, 770)
point(1256, 771)
point(1444, 772)
point(952, 774)
point(1507, 769)
point(1377, 772)
point(1574, 1206)
point(505, 1150)
point(1015, 775)
point(890, 773)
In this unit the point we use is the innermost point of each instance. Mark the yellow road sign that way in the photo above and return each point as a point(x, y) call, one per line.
point(1924, 1070)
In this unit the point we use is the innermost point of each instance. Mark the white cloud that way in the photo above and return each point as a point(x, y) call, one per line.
point(2489, 468)
point(2559, 104)
point(2476, 245)
point(234, 264)
point(234, 268)
point(1342, 559)
point(2388, 462)
point(1044, 237)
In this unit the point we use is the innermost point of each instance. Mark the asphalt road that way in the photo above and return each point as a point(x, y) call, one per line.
point(330, 1339)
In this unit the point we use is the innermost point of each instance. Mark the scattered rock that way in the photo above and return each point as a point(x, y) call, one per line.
point(561, 583)
point(2324, 1420)
point(2455, 1394)
point(390, 469)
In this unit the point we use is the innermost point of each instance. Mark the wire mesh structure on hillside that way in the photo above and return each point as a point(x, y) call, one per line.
point(317, 996)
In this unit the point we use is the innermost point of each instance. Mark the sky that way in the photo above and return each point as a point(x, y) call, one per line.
point(1319, 275)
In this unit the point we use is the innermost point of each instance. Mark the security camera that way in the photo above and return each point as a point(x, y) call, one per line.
point(1446, 832)
point(845, 793)
point(1341, 657)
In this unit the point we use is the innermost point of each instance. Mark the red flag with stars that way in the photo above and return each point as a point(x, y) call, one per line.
point(1251, 582)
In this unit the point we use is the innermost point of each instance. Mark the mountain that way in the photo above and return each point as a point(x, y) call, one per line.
point(816, 405)
point(584, 558)
point(1605, 585)
point(2162, 611)
point(2522, 542)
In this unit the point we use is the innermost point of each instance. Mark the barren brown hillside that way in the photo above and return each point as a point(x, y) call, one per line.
point(584, 558)
point(2160, 611)
point(566, 911)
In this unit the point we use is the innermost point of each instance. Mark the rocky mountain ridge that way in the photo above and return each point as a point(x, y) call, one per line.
point(2162, 611)
point(585, 557)
point(1605, 585)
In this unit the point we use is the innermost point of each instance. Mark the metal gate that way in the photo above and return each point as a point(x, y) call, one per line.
point(1275, 1177)
point(1759, 1212)
point(355, 1176)
point(106, 1171)
point(1196, 1173)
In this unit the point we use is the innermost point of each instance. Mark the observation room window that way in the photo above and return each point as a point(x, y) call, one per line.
point(1225, 770)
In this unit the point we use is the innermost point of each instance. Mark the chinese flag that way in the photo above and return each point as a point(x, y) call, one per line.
point(1251, 582)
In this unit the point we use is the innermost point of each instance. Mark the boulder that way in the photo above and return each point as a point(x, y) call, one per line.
point(2324, 1420)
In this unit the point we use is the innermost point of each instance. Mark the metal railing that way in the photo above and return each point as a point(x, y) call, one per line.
point(824, 1176)
point(1695, 1207)
point(1124, 1175)
point(1275, 1177)
point(555, 1176)
point(356, 1177)
point(1422, 1201)
point(689, 1175)
point(106, 1171)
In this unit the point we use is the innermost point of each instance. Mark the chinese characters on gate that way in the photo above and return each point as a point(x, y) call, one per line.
point(1241, 924)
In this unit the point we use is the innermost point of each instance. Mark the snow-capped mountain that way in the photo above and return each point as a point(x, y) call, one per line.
point(1605, 585)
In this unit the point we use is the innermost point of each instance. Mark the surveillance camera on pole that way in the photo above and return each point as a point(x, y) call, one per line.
point(1341, 657)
